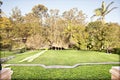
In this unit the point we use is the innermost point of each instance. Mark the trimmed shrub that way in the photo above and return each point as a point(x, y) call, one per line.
point(117, 51)
point(22, 50)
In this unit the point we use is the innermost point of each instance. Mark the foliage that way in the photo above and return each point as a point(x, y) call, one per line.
point(75, 28)
point(1, 2)
point(40, 11)
point(6, 33)
point(95, 30)
point(117, 51)
point(76, 34)
point(16, 15)
point(0, 8)
point(102, 36)
point(103, 11)
point(40, 29)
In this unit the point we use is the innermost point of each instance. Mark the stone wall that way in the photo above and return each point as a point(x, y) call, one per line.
point(5, 74)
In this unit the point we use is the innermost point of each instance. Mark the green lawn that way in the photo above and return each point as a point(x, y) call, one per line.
point(6, 54)
point(66, 57)
point(95, 72)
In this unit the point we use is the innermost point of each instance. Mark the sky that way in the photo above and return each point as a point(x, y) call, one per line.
point(87, 6)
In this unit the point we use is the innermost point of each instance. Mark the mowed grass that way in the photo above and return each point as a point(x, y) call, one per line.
point(95, 72)
point(67, 57)
point(6, 54)
point(12, 53)
point(21, 56)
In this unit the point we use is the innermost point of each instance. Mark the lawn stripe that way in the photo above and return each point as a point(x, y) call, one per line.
point(61, 66)
point(36, 55)
point(31, 58)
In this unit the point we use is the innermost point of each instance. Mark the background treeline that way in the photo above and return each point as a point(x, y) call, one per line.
point(42, 28)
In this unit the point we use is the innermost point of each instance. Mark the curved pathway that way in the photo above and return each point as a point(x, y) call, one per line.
point(61, 66)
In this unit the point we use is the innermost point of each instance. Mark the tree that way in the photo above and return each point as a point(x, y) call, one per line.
point(77, 36)
point(6, 33)
point(112, 38)
point(1, 4)
point(33, 23)
point(16, 15)
point(102, 36)
point(74, 25)
point(0, 9)
point(74, 16)
point(53, 26)
point(0, 35)
point(95, 39)
point(38, 33)
point(21, 27)
point(40, 11)
point(103, 11)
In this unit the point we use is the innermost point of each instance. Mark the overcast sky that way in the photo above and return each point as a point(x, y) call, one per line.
point(87, 6)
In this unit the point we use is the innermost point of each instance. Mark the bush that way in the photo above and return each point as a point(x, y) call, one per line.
point(73, 46)
point(17, 51)
point(117, 51)
point(22, 50)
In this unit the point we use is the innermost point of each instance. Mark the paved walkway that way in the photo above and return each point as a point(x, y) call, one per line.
point(61, 66)
point(31, 58)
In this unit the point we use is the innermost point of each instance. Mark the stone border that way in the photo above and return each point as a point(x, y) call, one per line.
point(6, 59)
point(61, 66)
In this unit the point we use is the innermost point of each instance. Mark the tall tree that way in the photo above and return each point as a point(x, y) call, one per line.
point(102, 36)
point(6, 32)
point(0, 8)
point(40, 11)
point(0, 5)
point(1, 2)
point(0, 35)
point(16, 19)
point(22, 28)
point(73, 19)
point(112, 37)
point(53, 18)
point(16, 15)
point(96, 35)
point(76, 35)
point(103, 11)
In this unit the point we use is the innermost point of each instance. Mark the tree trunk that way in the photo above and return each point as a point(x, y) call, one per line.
point(103, 19)
point(0, 66)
